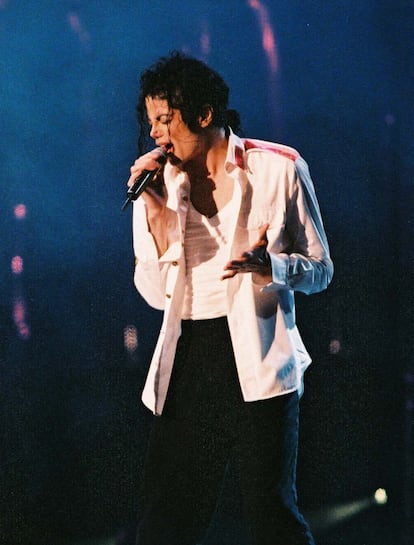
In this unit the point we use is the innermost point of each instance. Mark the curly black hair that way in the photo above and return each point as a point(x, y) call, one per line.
point(188, 85)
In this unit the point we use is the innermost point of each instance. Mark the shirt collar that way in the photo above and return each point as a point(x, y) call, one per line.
point(235, 152)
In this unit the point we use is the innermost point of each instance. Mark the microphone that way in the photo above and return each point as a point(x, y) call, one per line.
point(143, 180)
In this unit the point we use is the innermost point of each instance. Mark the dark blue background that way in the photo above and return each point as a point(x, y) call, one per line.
point(73, 429)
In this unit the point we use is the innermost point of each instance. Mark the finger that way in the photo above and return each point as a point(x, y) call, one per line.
point(230, 269)
point(241, 267)
point(132, 178)
point(262, 240)
point(245, 267)
point(230, 274)
point(149, 161)
point(135, 171)
point(236, 263)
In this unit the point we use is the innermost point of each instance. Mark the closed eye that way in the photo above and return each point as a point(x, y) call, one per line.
point(164, 119)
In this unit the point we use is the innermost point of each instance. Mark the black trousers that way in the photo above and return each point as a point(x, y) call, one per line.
point(206, 425)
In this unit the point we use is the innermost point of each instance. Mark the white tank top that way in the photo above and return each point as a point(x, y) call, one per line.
point(206, 246)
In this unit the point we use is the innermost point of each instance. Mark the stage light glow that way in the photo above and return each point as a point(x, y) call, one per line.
point(205, 41)
point(336, 514)
point(390, 119)
point(17, 264)
point(380, 496)
point(268, 39)
point(335, 346)
point(19, 316)
point(20, 211)
point(130, 338)
point(77, 27)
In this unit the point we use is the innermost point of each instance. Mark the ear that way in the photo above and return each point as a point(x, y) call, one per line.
point(206, 116)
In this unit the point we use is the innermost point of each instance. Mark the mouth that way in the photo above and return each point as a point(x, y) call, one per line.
point(165, 147)
point(169, 152)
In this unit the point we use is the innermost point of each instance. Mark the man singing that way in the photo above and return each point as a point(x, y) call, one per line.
point(224, 235)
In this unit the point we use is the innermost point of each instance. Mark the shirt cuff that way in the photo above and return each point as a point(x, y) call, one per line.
point(280, 272)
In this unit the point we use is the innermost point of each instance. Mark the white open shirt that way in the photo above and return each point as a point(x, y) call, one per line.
point(272, 185)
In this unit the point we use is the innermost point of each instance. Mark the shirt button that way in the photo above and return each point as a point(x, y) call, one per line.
point(168, 296)
point(174, 263)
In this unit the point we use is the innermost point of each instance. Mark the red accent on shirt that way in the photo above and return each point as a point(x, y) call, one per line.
point(239, 156)
point(286, 151)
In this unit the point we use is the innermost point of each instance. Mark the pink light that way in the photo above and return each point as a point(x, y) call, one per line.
point(74, 22)
point(269, 44)
point(130, 338)
point(17, 264)
point(18, 310)
point(268, 39)
point(205, 39)
point(335, 346)
point(19, 317)
point(20, 211)
point(390, 119)
point(76, 25)
point(24, 332)
point(205, 43)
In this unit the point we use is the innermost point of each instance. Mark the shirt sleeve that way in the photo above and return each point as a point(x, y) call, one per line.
point(306, 265)
point(150, 275)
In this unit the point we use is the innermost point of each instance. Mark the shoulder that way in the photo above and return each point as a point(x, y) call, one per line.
point(270, 161)
point(269, 150)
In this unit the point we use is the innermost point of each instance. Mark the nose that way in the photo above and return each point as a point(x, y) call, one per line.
point(155, 130)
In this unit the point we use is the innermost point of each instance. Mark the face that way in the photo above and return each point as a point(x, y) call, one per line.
point(169, 131)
